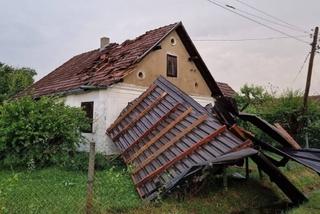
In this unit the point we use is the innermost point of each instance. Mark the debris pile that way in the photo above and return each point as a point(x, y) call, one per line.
point(165, 137)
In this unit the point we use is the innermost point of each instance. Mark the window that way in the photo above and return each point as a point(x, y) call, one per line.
point(88, 108)
point(171, 66)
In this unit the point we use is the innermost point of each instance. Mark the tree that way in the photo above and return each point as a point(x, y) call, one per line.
point(14, 80)
point(252, 95)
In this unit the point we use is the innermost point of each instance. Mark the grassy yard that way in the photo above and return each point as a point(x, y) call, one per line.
point(53, 190)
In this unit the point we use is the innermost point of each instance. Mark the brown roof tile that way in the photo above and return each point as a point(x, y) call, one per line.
point(98, 68)
point(226, 89)
point(103, 68)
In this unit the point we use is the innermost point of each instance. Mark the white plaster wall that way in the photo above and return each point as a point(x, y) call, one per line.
point(108, 103)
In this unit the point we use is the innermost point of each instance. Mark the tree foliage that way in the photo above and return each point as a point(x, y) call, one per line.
point(38, 132)
point(285, 109)
point(14, 80)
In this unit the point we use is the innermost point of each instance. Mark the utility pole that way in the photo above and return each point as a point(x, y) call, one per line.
point(313, 50)
point(306, 91)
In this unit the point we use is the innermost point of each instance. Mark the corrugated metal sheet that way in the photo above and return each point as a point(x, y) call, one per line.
point(164, 133)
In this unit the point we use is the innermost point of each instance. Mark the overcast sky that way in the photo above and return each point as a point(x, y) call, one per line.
point(44, 34)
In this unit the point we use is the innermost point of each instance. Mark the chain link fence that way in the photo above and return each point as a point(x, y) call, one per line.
point(56, 190)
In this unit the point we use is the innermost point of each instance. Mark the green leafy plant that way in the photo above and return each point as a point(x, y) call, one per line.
point(78, 161)
point(39, 133)
point(14, 80)
point(285, 109)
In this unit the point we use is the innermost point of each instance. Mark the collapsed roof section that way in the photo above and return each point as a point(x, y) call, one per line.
point(164, 134)
point(167, 138)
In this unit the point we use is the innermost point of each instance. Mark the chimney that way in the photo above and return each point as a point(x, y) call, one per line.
point(104, 42)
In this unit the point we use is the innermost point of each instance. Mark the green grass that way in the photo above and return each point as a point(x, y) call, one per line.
point(53, 190)
point(312, 206)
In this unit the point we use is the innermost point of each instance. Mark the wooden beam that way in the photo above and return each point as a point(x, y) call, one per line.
point(237, 131)
point(160, 134)
point(187, 152)
point(139, 116)
point(150, 129)
point(174, 140)
point(130, 108)
point(245, 144)
point(287, 136)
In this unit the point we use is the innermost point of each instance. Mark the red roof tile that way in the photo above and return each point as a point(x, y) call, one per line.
point(226, 89)
point(98, 68)
point(103, 68)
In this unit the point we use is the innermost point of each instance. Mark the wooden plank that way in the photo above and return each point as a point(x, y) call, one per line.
point(174, 140)
point(160, 134)
point(130, 108)
point(150, 129)
point(187, 152)
point(246, 144)
point(139, 116)
point(237, 131)
point(287, 136)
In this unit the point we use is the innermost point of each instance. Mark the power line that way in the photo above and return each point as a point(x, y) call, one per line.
point(267, 20)
point(245, 39)
point(260, 23)
point(301, 67)
point(271, 16)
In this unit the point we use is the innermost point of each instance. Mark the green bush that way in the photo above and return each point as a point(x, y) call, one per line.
point(285, 109)
point(79, 162)
point(38, 133)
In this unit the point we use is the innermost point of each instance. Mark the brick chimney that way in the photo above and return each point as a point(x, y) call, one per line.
point(104, 42)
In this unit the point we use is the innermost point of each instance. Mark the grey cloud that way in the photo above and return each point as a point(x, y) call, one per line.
point(44, 34)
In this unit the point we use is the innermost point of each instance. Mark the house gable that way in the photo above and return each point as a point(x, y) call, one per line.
point(100, 69)
point(154, 64)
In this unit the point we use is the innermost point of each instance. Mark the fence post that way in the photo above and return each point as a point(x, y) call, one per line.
point(89, 205)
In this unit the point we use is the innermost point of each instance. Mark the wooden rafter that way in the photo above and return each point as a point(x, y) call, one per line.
point(246, 144)
point(134, 105)
point(160, 134)
point(139, 116)
point(171, 142)
point(150, 129)
point(187, 152)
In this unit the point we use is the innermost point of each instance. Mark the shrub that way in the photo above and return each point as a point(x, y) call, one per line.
point(285, 109)
point(34, 133)
point(79, 162)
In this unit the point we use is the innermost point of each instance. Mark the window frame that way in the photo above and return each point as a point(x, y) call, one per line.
point(89, 114)
point(172, 62)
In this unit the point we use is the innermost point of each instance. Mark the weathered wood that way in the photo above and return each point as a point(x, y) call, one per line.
point(139, 116)
point(182, 155)
point(287, 136)
point(150, 129)
point(134, 105)
point(171, 142)
point(160, 134)
point(244, 145)
point(225, 179)
point(247, 168)
point(237, 131)
point(89, 204)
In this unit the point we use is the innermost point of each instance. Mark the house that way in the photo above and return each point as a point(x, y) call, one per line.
point(102, 81)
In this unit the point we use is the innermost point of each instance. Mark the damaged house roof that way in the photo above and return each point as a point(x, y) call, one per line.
point(102, 68)
point(167, 138)
point(164, 134)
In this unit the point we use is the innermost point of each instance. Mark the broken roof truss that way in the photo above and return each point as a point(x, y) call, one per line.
point(164, 136)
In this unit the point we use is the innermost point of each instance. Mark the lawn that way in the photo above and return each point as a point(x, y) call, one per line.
point(54, 190)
